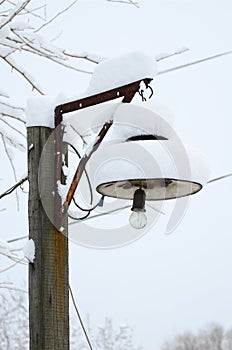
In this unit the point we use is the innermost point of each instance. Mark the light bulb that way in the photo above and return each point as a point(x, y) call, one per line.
point(138, 219)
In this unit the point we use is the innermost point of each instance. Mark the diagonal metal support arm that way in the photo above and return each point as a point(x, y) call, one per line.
point(127, 92)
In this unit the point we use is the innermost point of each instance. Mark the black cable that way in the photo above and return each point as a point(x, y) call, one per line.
point(83, 209)
point(82, 218)
point(85, 171)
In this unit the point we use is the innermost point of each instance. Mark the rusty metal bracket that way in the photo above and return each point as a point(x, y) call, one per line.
point(127, 92)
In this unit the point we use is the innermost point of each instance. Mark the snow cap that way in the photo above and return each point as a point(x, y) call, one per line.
point(40, 110)
point(121, 70)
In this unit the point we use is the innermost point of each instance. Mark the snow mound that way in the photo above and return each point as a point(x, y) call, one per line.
point(122, 70)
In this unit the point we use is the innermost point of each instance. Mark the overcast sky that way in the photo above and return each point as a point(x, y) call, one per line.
point(161, 285)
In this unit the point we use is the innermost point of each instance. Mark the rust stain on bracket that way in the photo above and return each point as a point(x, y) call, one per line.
point(127, 92)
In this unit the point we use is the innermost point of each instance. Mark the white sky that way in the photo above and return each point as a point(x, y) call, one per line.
point(162, 285)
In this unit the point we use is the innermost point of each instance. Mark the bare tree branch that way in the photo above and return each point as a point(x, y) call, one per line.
point(14, 14)
point(31, 11)
point(12, 265)
point(5, 286)
point(28, 47)
point(12, 165)
point(12, 127)
point(88, 57)
point(13, 188)
point(128, 2)
point(23, 74)
point(13, 117)
point(56, 16)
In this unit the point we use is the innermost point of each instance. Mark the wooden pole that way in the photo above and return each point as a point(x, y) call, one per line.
point(48, 275)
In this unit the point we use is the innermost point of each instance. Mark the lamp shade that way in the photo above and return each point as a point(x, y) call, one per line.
point(164, 169)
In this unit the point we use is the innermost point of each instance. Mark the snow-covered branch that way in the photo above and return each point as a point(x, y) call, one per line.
point(23, 73)
point(86, 56)
point(18, 8)
point(128, 2)
point(56, 16)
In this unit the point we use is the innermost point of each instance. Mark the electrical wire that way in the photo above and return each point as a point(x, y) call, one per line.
point(194, 62)
point(102, 214)
point(79, 219)
point(80, 319)
point(85, 171)
point(90, 209)
point(219, 178)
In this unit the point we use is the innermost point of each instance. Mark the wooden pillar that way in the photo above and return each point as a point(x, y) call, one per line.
point(48, 275)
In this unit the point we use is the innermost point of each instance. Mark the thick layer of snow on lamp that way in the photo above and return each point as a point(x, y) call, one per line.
point(163, 169)
point(131, 120)
point(128, 121)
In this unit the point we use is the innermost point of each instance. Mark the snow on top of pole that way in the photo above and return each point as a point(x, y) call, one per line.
point(40, 110)
point(121, 70)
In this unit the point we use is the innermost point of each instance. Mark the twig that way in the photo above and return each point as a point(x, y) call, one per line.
point(31, 12)
point(23, 74)
point(12, 166)
point(81, 137)
point(11, 266)
point(57, 15)
point(24, 4)
point(12, 188)
point(10, 106)
point(84, 57)
point(16, 239)
point(29, 43)
point(57, 60)
point(11, 141)
point(12, 127)
point(12, 116)
point(13, 288)
point(129, 2)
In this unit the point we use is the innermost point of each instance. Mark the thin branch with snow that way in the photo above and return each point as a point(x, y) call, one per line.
point(12, 127)
point(12, 265)
point(56, 16)
point(31, 11)
point(7, 286)
point(22, 73)
point(86, 56)
point(15, 13)
point(11, 163)
point(128, 2)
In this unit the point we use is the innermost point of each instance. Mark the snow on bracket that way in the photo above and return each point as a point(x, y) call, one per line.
point(121, 70)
